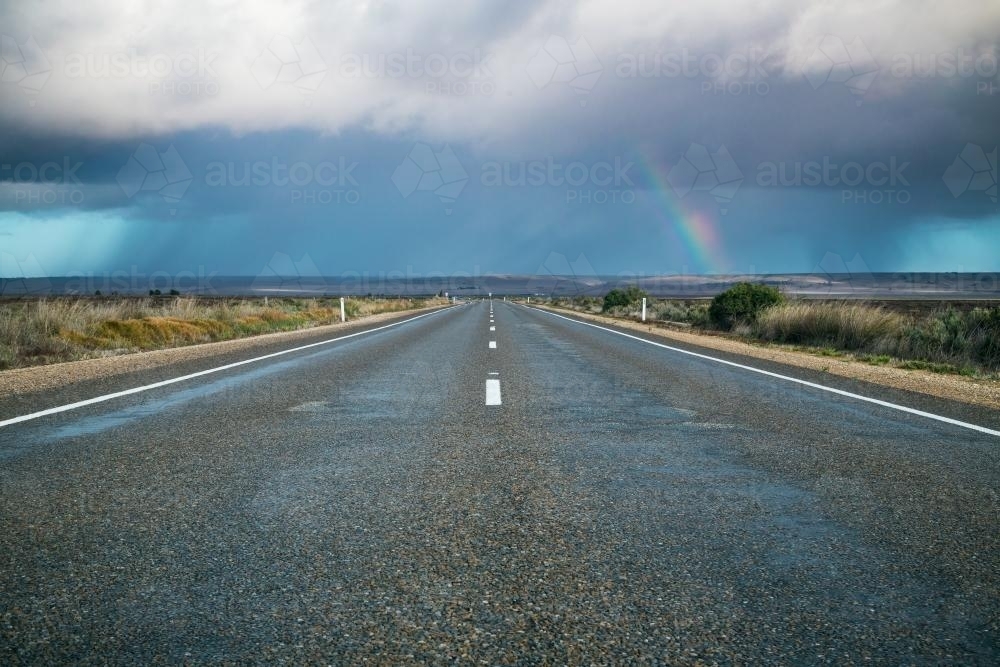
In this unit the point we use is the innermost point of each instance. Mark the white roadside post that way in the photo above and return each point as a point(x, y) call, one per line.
point(643, 309)
point(343, 314)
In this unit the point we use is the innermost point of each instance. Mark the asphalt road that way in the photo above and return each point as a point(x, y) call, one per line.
point(622, 503)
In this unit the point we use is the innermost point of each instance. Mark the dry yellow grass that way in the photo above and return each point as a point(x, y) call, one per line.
point(848, 326)
point(47, 331)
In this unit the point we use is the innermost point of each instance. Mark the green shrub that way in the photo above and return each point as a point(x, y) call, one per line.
point(954, 335)
point(742, 303)
point(618, 298)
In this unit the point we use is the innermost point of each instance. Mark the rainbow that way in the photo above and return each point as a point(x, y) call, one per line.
point(696, 232)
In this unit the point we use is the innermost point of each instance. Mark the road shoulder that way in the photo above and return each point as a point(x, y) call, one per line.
point(972, 391)
point(51, 376)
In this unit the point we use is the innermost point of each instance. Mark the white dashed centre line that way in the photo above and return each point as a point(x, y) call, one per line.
point(493, 345)
point(493, 392)
point(493, 328)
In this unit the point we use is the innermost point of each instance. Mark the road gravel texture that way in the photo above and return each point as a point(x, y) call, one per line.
point(358, 502)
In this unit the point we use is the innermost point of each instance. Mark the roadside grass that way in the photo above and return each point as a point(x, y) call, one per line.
point(673, 311)
point(941, 340)
point(875, 359)
point(836, 325)
point(34, 332)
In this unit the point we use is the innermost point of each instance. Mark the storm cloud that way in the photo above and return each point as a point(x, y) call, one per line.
point(369, 134)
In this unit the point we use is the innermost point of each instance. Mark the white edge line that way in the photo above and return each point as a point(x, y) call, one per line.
point(832, 390)
point(208, 371)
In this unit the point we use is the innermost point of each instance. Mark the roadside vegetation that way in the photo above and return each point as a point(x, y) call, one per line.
point(742, 304)
point(948, 340)
point(629, 297)
point(34, 332)
point(944, 339)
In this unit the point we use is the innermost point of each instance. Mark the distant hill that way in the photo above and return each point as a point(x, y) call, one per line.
point(837, 285)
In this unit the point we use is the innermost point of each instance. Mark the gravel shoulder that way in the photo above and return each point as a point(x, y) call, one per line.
point(973, 391)
point(40, 378)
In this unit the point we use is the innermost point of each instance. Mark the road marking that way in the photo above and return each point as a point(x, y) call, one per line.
point(208, 371)
point(493, 345)
point(494, 373)
point(493, 328)
point(839, 392)
point(493, 392)
point(310, 406)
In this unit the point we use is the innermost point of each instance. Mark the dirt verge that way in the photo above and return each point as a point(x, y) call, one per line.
point(38, 378)
point(974, 391)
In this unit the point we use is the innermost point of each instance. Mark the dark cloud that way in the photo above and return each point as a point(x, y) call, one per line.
point(785, 90)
